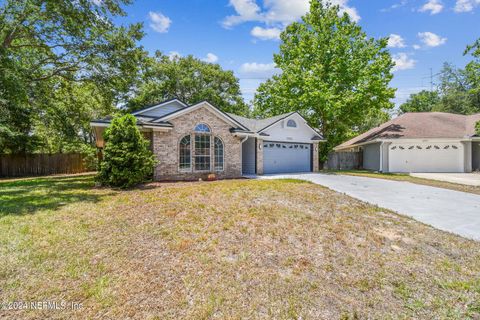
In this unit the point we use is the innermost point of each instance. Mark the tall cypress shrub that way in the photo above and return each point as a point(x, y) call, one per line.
point(127, 159)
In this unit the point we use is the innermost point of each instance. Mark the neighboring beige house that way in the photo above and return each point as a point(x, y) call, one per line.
point(420, 142)
point(193, 141)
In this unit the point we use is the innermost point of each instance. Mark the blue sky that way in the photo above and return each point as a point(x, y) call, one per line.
point(242, 35)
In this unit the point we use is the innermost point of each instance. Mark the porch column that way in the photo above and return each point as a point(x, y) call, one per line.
point(259, 156)
point(316, 164)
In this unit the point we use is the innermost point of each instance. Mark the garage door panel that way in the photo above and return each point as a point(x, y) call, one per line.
point(426, 157)
point(286, 157)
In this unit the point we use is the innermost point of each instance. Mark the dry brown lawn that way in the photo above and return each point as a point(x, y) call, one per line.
point(225, 250)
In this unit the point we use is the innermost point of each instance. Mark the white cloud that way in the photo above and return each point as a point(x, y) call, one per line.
point(247, 10)
point(172, 55)
point(266, 33)
point(258, 70)
point(396, 41)
point(395, 6)
point(434, 6)
point(431, 39)
point(278, 13)
point(416, 47)
point(403, 62)
point(466, 5)
point(159, 22)
point(211, 58)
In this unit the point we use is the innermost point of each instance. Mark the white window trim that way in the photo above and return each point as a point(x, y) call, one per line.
point(189, 169)
point(223, 155)
point(291, 128)
point(194, 156)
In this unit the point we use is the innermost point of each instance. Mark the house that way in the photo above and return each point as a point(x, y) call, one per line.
point(420, 142)
point(191, 141)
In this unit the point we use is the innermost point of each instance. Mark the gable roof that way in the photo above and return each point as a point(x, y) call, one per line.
point(190, 108)
point(157, 105)
point(417, 125)
point(257, 125)
point(240, 124)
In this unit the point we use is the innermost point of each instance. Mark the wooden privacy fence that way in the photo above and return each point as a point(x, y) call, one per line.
point(344, 161)
point(41, 164)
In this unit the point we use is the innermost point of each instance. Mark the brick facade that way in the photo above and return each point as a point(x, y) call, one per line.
point(166, 146)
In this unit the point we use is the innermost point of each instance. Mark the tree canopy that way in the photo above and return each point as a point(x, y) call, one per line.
point(331, 72)
point(190, 80)
point(46, 47)
point(457, 92)
point(423, 101)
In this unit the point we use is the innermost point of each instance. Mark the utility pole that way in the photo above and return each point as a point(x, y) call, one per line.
point(431, 79)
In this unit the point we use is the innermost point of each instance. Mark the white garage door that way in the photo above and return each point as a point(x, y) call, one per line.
point(426, 157)
point(286, 157)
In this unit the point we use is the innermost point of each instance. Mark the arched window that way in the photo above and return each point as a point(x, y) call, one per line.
point(291, 123)
point(202, 127)
point(185, 153)
point(218, 154)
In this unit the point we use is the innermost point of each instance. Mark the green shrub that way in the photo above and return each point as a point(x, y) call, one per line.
point(477, 128)
point(127, 160)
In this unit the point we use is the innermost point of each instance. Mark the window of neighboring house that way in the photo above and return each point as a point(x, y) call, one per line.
point(202, 152)
point(218, 154)
point(202, 127)
point(185, 160)
point(291, 123)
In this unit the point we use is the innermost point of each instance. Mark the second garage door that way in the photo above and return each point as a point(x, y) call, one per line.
point(286, 157)
point(426, 157)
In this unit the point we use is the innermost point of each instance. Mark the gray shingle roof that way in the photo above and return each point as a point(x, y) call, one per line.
point(255, 125)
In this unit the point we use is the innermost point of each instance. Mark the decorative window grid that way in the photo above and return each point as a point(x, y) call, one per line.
point(202, 152)
point(185, 159)
point(218, 153)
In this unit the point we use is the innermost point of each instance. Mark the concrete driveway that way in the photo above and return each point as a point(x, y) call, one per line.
point(469, 179)
point(444, 209)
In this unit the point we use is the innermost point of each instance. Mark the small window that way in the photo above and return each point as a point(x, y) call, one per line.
point(420, 148)
point(411, 147)
point(202, 127)
point(436, 147)
point(446, 147)
point(291, 123)
point(429, 147)
point(393, 148)
point(455, 147)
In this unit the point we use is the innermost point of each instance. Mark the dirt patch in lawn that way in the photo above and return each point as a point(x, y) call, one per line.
point(234, 249)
